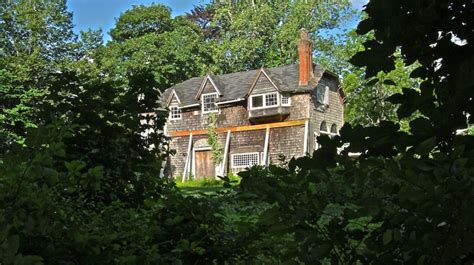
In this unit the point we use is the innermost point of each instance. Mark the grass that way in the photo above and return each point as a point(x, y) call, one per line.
point(204, 186)
point(201, 187)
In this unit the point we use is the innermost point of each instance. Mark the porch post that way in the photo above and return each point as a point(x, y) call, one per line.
point(188, 158)
point(226, 151)
point(305, 144)
point(265, 150)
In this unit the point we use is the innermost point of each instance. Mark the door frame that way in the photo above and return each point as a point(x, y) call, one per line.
point(193, 169)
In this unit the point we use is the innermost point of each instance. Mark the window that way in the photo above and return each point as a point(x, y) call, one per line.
point(334, 128)
point(209, 102)
point(271, 100)
point(323, 127)
point(244, 160)
point(264, 100)
point(285, 100)
point(322, 95)
point(257, 101)
point(175, 113)
point(326, 95)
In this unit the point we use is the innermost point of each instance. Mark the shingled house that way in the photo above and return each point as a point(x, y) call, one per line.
point(263, 115)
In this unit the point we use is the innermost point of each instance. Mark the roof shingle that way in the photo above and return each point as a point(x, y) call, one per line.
point(236, 85)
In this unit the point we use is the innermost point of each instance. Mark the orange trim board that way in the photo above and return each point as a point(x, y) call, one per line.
point(241, 128)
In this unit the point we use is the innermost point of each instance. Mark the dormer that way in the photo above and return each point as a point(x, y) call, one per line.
point(173, 103)
point(208, 95)
point(266, 101)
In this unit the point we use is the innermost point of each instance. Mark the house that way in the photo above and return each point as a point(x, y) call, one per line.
point(263, 115)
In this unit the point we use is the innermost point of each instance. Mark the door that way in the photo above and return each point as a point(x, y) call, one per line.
point(204, 166)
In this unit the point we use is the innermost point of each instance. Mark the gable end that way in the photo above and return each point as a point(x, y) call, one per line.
point(173, 98)
point(205, 85)
point(263, 84)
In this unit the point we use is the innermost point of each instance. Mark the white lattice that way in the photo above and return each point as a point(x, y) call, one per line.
point(244, 160)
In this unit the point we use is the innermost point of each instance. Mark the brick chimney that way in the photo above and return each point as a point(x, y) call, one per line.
point(305, 53)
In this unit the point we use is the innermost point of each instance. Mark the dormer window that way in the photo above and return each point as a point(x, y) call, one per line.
point(285, 100)
point(175, 113)
point(264, 100)
point(208, 102)
point(271, 99)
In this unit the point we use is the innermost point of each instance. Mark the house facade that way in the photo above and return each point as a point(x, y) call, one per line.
point(264, 116)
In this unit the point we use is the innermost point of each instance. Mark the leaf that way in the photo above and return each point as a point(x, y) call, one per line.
point(10, 245)
point(372, 82)
point(426, 146)
point(397, 98)
point(389, 82)
point(387, 237)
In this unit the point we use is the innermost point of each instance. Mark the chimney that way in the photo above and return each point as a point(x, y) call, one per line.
point(305, 53)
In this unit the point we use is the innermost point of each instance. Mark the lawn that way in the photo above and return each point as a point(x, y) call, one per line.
point(201, 187)
point(206, 186)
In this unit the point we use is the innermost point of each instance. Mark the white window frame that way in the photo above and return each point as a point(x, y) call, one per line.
point(278, 97)
point(171, 113)
point(257, 154)
point(289, 100)
point(328, 133)
point(215, 103)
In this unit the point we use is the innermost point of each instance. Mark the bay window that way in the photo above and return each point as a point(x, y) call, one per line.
point(264, 100)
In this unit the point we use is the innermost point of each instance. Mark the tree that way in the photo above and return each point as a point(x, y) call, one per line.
point(36, 37)
point(171, 49)
point(142, 20)
point(405, 199)
point(202, 16)
point(90, 41)
point(256, 34)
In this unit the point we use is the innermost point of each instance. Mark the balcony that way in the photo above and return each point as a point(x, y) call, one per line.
point(268, 114)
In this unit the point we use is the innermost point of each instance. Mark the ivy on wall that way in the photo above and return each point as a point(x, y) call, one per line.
point(216, 147)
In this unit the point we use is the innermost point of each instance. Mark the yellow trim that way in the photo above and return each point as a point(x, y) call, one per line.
point(241, 128)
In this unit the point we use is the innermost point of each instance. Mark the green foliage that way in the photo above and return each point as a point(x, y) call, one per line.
point(90, 42)
point(79, 181)
point(147, 39)
point(406, 199)
point(142, 20)
point(35, 38)
point(17, 112)
point(217, 149)
point(366, 99)
point(248, 35)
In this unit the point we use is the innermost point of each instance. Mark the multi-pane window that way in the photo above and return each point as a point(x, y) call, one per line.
point(285, 100)
point(271, 99)
point(264, 100)
point(209, 102)
point(175, 113)
point(244, 160)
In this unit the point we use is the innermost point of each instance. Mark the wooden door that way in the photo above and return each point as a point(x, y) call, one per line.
point(204, 165)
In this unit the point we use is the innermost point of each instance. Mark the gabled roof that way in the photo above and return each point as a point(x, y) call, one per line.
point(172, 95)
point(259, 75)
point(236, 85)
point(208, 78)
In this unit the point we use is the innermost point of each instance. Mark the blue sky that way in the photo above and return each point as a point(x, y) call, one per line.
point(97, 14)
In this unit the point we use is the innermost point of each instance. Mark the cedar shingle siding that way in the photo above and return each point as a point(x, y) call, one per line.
point(286, 138)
